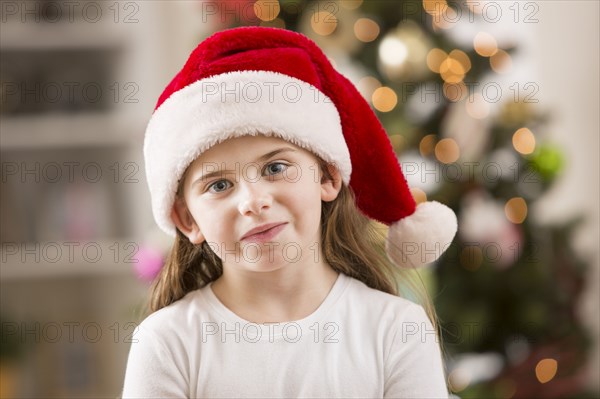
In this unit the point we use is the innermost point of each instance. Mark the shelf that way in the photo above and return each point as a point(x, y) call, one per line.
point(66, 259)
point(62, 36)
point(48, 123)
point(54, 130)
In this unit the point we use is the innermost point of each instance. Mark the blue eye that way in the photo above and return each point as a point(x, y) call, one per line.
point(275, 168)
point(219, 186)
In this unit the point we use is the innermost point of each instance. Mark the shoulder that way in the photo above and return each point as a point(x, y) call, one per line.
point(385, 306)
point(177, 318)
point(159, 356)
point(410, 350)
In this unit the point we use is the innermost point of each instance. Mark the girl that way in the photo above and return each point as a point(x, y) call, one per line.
point(269, 169)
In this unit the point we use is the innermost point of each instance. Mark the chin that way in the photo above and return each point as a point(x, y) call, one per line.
point(265, 265)
point(267, 257)
point(266, 269)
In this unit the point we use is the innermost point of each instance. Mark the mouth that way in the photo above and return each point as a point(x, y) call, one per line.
point(264, 232)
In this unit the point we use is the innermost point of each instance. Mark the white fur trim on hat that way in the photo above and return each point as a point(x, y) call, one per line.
point(235, 104)
point(423, 236)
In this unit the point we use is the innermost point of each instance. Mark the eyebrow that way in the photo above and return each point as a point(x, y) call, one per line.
point(262, 158)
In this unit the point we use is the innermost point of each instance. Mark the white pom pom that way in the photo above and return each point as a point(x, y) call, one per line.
point(422, 237)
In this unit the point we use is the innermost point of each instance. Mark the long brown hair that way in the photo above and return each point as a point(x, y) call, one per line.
point(352, 244)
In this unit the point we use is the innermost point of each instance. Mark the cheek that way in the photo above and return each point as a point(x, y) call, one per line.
point(309, 188)
point(210, 220)
point(304, 196)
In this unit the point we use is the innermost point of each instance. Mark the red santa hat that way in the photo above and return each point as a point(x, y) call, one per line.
point(258, 80)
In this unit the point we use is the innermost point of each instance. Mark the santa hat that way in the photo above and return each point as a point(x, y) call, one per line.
point(258, 80)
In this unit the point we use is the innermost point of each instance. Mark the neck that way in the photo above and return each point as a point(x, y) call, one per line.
point(290, 293)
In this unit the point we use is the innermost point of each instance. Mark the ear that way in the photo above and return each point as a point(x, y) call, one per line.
point(183, 219)
point(330, 188)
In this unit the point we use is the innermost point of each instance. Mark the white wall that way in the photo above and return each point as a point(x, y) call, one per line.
point(565, 48)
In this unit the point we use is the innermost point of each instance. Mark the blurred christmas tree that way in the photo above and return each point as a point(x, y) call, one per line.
point(508, 287)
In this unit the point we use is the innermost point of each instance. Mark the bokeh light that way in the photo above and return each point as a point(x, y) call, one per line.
point(546, 369)
point(266, 10)
point(452, 68)
point(419, 195)
point(455, 91)
point(384, 99)
point(485, 44)
point(447, 151)
point(392, 51)
point(323, 23)
point(523, 141)
point(477, 107)
point(452, 71)
point(547, 160)
point(442, 14)
point(459, 379)
point(427, 145)
point(366, 30)
point(434, 7)
point(462, 58)
point(516, 210)
point(435, 57)
point(501, 62)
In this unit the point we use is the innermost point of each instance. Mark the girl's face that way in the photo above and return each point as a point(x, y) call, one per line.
point(256, 200)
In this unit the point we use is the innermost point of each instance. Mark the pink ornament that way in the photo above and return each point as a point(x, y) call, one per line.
point(149, 262)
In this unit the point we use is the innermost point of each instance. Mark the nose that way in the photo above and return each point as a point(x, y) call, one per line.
point(254, 199)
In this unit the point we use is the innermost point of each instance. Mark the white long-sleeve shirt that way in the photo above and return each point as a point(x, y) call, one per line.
point(360, 342)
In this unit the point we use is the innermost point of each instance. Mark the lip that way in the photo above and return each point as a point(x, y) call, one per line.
point(264, 232)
